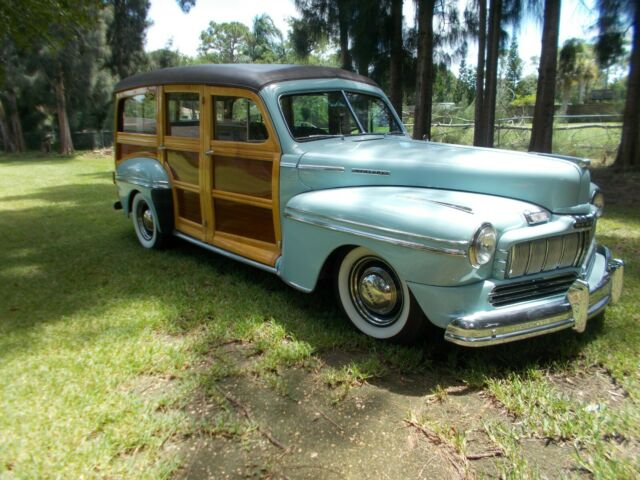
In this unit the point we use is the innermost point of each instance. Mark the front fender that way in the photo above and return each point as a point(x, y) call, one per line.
point(424, 233)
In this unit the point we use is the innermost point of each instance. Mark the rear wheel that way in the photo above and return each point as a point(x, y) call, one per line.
point(145, 223)
point(375, 299)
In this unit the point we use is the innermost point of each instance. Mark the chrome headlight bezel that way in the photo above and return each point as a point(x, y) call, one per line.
point(483, 246)
point(597, 200)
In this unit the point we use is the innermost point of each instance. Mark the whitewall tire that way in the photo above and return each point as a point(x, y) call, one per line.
point(375, 298)
point(145, 223)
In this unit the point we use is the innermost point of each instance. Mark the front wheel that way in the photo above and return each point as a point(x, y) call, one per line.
point(375, 299)
point(145, 223)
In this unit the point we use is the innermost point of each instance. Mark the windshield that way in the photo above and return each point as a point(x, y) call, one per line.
point(328, 114)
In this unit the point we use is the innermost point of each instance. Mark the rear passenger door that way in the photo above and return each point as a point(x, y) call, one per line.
point(181, 147)
point(242, 175)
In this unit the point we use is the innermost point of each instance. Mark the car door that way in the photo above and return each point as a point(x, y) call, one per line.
point(242, 175)
point(181, 147)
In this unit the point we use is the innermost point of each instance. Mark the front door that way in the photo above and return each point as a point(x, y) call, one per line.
point(181, 146)
point(241, 175)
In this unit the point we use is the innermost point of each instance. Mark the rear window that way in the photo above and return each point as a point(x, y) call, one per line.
point(138, 114)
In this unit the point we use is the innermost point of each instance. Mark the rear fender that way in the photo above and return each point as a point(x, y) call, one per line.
point(146, 176)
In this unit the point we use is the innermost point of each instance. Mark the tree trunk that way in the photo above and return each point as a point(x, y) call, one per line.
point(343, 24)
point(629, 150)
point(15, 127)
point(542, 131)
point(478, 131)
point(488, 115)
point(395, 66)
point(424, 80)
point(5, 134)
point(64, 132)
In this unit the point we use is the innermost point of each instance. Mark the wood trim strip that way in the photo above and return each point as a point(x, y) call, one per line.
point(182, 143)
point(241, 198)
point(186, 186)
point(262, 252)
point(142, 139)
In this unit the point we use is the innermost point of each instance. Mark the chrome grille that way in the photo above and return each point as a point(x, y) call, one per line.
point(548, 254)
point(530, 290)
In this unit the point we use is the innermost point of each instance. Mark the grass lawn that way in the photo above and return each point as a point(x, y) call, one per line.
point(117, 362)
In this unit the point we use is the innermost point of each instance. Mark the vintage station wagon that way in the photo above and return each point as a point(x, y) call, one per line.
point(308, 171)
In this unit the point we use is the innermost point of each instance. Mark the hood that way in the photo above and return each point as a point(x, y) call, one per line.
point(557, 184)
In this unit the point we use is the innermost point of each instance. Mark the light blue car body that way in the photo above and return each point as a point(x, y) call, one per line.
point(416, 204)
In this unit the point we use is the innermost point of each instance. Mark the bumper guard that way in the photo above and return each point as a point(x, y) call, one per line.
point(508, 324)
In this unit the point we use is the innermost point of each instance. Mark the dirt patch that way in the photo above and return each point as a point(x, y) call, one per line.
point(593, 386)
point(398, 425)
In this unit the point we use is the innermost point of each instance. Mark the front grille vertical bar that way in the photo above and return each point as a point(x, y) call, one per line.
point(576, 258)
point(546, 255)
point(526, 269)
point(564, 238)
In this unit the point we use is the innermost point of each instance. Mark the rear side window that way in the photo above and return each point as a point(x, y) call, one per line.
point(183, 114)
point(138, 114)
point(238, 119)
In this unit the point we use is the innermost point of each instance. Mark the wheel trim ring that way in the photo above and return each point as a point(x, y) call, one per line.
point(368, 314)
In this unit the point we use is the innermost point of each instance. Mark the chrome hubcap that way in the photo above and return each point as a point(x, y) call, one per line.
point(375, 291)
point(147, 220)
point(146, 224)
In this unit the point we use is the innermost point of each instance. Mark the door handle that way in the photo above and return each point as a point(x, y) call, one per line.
point(209, 152)
point(162, 147)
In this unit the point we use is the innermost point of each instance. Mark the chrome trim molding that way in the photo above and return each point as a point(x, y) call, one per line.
point(143, 182)
point(225, 253)
point(462, 208)
point(526, 320)
point(327, 168)
point(288, 164)
point(373, 236)
point(455, 206)
point(368, 171)
point(454, 247)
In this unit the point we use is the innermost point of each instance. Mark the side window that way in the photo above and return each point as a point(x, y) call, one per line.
point(138, 114)
point(183, 114)
point(238, 119)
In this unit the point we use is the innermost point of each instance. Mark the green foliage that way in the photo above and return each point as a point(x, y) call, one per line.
point(466, 84)
point(615, 18)
point(524, 100)
point(225, 42)
point(444, 85)
point(527, 86)
point(165, 57)
point(514, 65)
point(265, 42)
point(126, 34)
point(29, 22)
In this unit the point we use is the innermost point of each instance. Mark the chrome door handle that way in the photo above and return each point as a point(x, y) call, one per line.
point(162, 147)
point(209, 152)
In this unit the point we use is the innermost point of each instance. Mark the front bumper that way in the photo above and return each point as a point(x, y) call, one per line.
point(506, 324)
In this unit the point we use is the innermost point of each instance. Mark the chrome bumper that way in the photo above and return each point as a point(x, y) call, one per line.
point(507, 324)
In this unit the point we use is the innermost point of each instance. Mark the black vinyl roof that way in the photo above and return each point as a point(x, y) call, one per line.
point(251, 76)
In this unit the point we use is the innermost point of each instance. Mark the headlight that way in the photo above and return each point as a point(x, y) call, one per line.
point(597, 200)
point(483, 246)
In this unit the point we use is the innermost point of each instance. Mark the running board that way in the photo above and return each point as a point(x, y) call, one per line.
point(226, 253)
